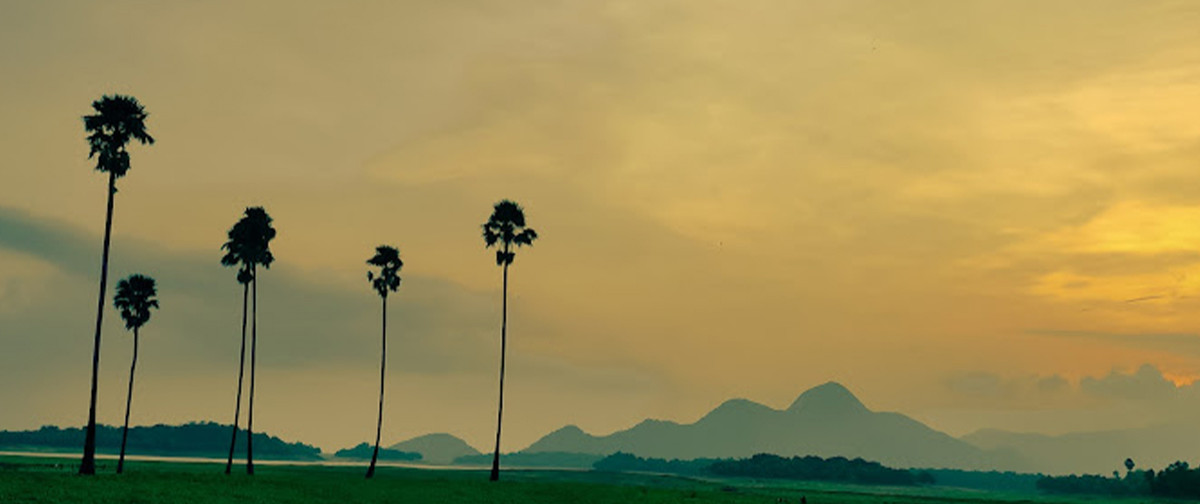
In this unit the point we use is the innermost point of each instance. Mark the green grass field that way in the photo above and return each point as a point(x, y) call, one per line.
point(53, 480)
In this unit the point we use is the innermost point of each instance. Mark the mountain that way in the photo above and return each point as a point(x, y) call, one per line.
point(436, 448)
point(1100, 452)
point(203, 439)
point(827, 420)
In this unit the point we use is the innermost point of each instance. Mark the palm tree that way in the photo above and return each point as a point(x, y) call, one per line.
point(260, 233)
point(118, 119)
point(236, 255)
point(506, 227)
point(387, 259)
point(135, 298)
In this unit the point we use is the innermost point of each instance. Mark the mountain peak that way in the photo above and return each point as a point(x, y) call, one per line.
point(739, 404)
point(438, 448)
point(827, 397)
point(570, 429)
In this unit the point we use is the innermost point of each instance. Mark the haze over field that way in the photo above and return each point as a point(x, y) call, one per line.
point(979, 214)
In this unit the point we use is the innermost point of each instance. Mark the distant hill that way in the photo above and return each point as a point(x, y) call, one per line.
point(1100, 452)
point(207, 439)
point(826, 421)
point(363, 451)
point(437, 448)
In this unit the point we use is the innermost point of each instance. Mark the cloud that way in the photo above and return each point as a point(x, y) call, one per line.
point(980, 388)
point(1145, 389)
point(1174, 343)
point(833, 189)
point(1146, 384)
point(441, 326)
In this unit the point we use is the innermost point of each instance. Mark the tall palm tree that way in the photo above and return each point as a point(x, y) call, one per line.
point(505, 227)
point(118, 119)
point(258, 250)
point(387, 259)
point(135, 298)
point(237, 254)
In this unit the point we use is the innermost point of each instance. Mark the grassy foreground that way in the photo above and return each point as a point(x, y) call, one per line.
point(52, 480)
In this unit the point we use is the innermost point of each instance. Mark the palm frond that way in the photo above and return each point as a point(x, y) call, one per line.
point(135, 298)
point(387, 259)
point(118, 119)
point(506, 227)
point(249, 243)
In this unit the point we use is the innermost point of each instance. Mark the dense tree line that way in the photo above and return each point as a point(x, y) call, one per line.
point(763, 465)
point(626, 462)
point(364, 451)
point(1177, 480)
point(1000, 481)
point(206, 439)
point(839, 469)
point(539, 459)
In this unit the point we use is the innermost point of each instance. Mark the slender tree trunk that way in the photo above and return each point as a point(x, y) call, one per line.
point(253, 363)
point(495, 476)
point(88, 465)
point(128, 403)
point(382, 367)
point(237, 410)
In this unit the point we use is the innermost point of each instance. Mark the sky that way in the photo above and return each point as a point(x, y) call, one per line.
point(980, 214)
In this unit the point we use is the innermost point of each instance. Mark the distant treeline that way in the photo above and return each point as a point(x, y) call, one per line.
point(810, 468)
point(539, 459)
point(197, 439)
point(626, 462)
point(364, 450)
point(997, 481)
point(838, 469)
point(1177, 480)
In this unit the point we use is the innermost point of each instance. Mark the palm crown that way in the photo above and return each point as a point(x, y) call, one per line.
point(249, 243)
point(135, 298)
point(118, 119)
point(387, 258)
point(506, 226)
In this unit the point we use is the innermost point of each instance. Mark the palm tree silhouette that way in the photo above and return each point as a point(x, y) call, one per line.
point(249, 247)
point(506, 227)
point(387, 259)
point(236, 254)
point(118, 119)
point(135, 298)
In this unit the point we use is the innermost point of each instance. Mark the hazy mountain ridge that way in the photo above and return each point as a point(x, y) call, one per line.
point(437, 448)
point(827, 421)
point(1096, 452)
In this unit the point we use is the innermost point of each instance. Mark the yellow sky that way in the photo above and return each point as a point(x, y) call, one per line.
point(735, 199)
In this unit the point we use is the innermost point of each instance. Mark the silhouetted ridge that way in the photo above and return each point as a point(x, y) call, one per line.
point(570, 439)
point(439, 448)
point(736, 410)
point(828, 398)
point(826, 421)
point(570, 430)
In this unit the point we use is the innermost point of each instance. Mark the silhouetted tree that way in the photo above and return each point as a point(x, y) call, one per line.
point(238, 252)
point(262, 233)
point(249, 247)
point(135, 298)
point(118, 119)
point(1129, 465)
point(387, 259)
point(506, 228)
